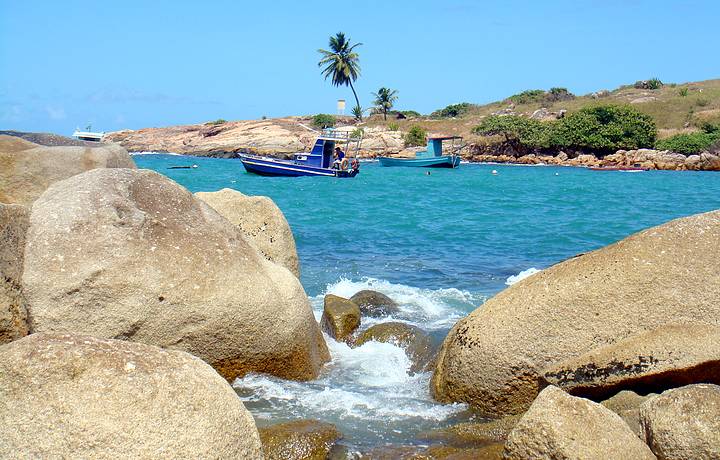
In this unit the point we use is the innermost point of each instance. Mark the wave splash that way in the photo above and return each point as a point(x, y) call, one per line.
point(521, 276)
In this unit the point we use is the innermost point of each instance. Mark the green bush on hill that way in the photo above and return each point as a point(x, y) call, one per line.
point(559, 94)
point(600, 129)
point(691, 143)
point(528, 97)
point(409, 113)
point(653, 83)
point(323, 120)
point(538, 96)
point(219, 121)
point(453, 110)
point(415, 137)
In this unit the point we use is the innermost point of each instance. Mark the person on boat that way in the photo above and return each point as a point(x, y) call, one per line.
point(340, 162)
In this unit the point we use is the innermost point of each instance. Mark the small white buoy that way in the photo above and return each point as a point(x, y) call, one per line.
point(557, 174)
point(494, 172)
point(195, 166)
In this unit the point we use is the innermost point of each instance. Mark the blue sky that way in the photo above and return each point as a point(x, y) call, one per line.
point(137, 64)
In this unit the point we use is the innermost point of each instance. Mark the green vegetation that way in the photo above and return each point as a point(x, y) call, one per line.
point(384, 100)
point(409, 113)
point(357, 133)
point(392, 126)
point(357, 112)
point(416, 136)
point(691, 143)
point(702, 102)
point(653, 83)
point(323, 120)
point(528, 97)
point(601, 129)
point(219, 121)
point(683, 91)
point(452, 111)
point(342, 63)
point(559, 94)
point(539, 96)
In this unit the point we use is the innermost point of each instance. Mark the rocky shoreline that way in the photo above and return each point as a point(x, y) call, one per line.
point(127, 304)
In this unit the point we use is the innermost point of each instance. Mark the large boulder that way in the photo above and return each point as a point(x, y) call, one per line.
point(683, 423)
point(373, 303)
point(299, 440)
point(560, 426)
point(417, 343)
point(27, 169)
point(14, 222)
point(664, 275)
point(340, 317)
point(627, 405)
point(69, 396)
point(262, 223)
point(130, 254)
point(667, 357)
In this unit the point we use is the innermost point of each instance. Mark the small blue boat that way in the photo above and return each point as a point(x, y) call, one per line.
point(432, 157)
point(320, 161)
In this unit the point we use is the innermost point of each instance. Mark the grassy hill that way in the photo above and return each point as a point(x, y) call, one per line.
point(675, 108)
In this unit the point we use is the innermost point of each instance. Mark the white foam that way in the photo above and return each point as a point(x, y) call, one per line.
point(521, 276)
point(156, 153)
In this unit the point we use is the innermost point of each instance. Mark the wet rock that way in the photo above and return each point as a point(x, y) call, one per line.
point(14, 222)
point(27, 169)
point(627, 405)
point(683, 423)
point(434, 452)
point(558, 425)
point(493, 358)
point(130, 254)
point(70, 396)
point(340, 318)
point(299, 440)
point(416, 342)
point(473, 433)
point(666, 357)
point(373, 303)
point(262, 223)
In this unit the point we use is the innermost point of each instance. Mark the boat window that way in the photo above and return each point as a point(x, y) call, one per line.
point(328, 150)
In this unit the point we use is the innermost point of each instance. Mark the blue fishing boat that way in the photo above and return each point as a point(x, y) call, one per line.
point(322, 160)
point(432, 157)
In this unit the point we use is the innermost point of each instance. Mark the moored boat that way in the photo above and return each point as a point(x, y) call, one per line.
point(320, 161)
point(88, 134)
point(432, 157)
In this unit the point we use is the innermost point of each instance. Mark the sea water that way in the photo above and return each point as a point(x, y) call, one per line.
point(439, 245)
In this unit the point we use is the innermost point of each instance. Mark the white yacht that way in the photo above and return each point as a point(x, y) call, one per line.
point(88, 134)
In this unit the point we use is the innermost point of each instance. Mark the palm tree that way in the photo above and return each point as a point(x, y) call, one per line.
point(341, 62)
point(384, 100)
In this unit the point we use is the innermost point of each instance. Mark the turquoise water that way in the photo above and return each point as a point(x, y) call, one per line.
point(439, 245)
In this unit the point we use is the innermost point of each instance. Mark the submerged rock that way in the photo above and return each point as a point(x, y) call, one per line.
point(627, 405)
point(70, 396)
point(474, 433)
point(416, 342)
point(493, 358)
point(683, 423)
point(666, 357)
point(434, 452)
point(558, 425)
point(28, 169)
point(14, 222)
point(262, 223)
point(130, 254)
point(375, 304)
point(299, 440)
point(340, 318)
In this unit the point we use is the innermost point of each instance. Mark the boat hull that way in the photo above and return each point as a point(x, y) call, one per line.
point(444, 161)
point(264, 166)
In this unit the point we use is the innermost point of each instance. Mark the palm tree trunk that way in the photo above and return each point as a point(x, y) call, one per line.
point(357, 101)
point(385, 115)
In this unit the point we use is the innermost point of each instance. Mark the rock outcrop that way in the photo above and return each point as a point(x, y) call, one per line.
point(417, 343)
point(493, 358)
point(683, 423)
point(373, 303)
point(27, 169)
point(560, 426)
point(262, 223)
point(299, 440)
point(129, 254)
point(666, 357)
point(627, 405)
point(340, 317)
point(69, 396)
point(14, 222)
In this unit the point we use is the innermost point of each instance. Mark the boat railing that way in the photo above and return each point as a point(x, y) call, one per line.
point(335, 135)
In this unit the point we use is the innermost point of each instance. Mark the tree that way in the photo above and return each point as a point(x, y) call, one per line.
point(341, 63)
point(384, 100)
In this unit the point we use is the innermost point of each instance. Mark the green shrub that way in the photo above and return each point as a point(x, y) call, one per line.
point(357, 112)
point(683, 91)
point(453, 110)
point(710, 128)
point(688, 143)
point(528, 97)
point(517, 130)
point(357, 133)
point(323, 120)
point(410, 113)
point(605, 129)
point(415, 137)
point(702, 102)
point(219, 121)
point(653, 83)
point(558, 94)
point(392, 126)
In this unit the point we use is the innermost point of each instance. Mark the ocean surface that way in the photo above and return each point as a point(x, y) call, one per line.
point(439, 245)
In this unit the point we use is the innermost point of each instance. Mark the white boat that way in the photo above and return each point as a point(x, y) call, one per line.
point(88, 134)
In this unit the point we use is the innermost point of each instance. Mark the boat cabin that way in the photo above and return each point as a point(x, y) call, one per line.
point(321, 155)
point(435, 146)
